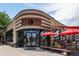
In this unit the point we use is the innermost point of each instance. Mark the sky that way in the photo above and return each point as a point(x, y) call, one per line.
point(66, 13)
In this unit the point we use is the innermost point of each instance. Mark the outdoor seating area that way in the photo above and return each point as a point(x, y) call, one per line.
point(65, 45)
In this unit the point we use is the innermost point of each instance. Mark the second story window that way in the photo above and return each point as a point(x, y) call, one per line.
point(30, 21)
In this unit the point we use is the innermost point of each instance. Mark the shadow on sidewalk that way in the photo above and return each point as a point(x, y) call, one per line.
point(74, 53)
point(34, 49)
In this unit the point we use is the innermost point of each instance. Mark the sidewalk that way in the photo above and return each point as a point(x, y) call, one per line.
point(6, 50)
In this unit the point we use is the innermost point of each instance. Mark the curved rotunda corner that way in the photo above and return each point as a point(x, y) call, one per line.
point(33, 11)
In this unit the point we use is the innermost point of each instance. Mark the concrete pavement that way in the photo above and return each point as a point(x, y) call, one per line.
point(6, 50)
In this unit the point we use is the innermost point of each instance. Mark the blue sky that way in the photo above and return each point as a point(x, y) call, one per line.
point(67, 14)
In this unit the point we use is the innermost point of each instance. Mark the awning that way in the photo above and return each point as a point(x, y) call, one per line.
point(48, 34)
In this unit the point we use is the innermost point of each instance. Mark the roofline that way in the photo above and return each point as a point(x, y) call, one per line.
point(30, 10)
point(38, 11)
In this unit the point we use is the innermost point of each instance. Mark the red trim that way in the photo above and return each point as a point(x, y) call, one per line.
point(77, 27)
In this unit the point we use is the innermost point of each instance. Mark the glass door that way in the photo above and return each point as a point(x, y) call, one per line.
point(31, 39)
point(28, 35)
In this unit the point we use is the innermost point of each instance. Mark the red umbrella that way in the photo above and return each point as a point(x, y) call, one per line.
point(70, 31)
point(48, 34)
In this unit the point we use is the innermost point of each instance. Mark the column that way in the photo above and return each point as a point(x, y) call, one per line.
point(51, 43)
point(14, 35)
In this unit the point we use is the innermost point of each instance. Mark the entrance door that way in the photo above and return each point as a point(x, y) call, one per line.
point(31, 39)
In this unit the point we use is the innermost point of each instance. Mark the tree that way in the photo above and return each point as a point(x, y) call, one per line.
point(4, 21)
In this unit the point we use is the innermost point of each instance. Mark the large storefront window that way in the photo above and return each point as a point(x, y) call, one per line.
point(9, 36)
point(30, 36)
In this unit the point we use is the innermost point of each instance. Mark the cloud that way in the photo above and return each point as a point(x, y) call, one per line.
point(66, 13)
point(46, 7)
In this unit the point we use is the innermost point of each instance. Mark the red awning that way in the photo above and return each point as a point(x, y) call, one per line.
point(48, 34)
point(70, 31)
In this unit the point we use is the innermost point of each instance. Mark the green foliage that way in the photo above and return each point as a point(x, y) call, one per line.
point(4, 20)
point(45, 38)
point(43, 43)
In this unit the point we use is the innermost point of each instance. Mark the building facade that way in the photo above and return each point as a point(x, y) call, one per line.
point(30, 24)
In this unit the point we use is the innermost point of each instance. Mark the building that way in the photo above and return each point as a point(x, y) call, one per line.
point(30, 23)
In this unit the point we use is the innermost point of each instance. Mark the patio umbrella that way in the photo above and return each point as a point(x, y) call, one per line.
point(70, 31)
point(48, 34)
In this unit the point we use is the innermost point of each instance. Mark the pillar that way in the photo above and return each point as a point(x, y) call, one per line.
point(14, 35)
point(52, 38)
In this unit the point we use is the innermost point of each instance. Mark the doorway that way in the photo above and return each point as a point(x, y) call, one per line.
point(28, 38)
point(32, 40)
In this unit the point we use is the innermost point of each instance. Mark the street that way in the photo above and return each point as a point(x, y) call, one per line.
point(6, 50)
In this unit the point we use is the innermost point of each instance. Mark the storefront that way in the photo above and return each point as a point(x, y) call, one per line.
point(31, 35)
point(27, 27)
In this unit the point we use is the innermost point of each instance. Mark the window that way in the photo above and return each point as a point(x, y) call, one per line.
point(30, 22)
